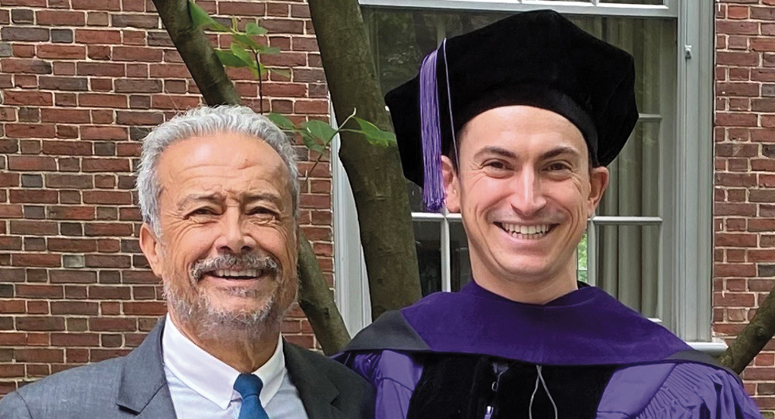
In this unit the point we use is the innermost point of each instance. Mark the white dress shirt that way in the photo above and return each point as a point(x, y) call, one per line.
point(202, 386)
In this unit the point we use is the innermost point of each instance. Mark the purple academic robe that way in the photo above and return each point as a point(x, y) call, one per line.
point(655, 379)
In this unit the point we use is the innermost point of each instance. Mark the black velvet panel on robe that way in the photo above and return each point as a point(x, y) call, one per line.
point(461, 387)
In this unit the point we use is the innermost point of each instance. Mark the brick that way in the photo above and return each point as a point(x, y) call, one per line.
point(38, 355)
point(25, 66)
point(108, 261)
point(101, 69)
point(10, 243)
point(138, 86)
point(36, 260)
point(70, 116)
point(82, 308)
point(9, 179)
point(10, 211)
point(105, 165)
point(67, 148)
point(107, 324)
point(174, 102)
point(142, 54)
point(10, 33)
point(155, 308)
point(737, 58)
point(108, 229)
point(107, 197)
point(31, 227)
point(62, 36)
point(148, 21)
point(97, 100)
point(139, 118)
point(30, 131)
point(61, 18)
point(62, 52)
point(35, 196)
point(72, 277)
point(75, 339)
point(25, 98)
point(63, 83)
point(241, 9)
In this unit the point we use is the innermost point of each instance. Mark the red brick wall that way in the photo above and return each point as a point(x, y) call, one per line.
point(745, 177)
point(82, 81)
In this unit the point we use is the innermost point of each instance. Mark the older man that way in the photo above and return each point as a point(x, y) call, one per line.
point(219, 196)
point(514, 124)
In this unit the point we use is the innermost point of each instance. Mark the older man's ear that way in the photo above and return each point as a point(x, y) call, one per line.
point(151, 248)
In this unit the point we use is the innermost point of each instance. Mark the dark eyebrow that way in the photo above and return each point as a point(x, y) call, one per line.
point(510, 154)
point(560, 151)
point(496, 150)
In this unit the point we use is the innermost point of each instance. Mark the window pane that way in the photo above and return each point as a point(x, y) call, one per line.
point(627, 265)
point(427, 236)
point(633, 1)
point(581, 260)
point(461, 265)
point(633, 187)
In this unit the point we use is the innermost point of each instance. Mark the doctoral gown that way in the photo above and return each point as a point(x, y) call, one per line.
point(583, 355)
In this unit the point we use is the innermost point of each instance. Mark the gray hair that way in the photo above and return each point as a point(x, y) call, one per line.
point(202, 121)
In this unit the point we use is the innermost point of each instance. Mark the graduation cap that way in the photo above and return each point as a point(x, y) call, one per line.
point(538, 59)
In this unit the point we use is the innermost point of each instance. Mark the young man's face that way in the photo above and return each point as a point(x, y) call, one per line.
point(525, 190)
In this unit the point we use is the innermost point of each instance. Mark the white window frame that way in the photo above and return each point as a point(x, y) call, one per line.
point(687, 230)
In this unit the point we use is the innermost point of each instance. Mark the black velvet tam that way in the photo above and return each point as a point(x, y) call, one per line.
point(538, 59)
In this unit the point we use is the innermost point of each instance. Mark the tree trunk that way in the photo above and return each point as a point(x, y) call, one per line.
point(317, 301)
point(315, 298)
point(752, 339)
point(375, 173)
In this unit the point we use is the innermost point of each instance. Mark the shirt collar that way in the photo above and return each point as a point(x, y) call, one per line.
point(209, 376)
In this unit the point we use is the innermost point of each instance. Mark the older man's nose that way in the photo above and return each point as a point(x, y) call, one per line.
point(234, 236)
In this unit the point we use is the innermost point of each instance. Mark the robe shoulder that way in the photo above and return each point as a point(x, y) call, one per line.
point(684, 389)
point(390, 331)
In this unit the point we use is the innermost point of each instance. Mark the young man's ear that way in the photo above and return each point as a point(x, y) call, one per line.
point(451, 185)
point(151, 248)
point(598, 181)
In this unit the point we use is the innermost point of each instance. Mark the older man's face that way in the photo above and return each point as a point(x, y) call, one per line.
point(227, 250)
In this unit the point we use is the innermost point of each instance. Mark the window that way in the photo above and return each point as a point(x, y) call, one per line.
point(653, 209)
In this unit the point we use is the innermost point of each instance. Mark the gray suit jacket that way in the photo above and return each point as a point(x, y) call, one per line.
point(135, 386)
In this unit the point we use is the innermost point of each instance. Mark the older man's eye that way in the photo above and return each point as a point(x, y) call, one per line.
point(203, 211)
point(263, 214)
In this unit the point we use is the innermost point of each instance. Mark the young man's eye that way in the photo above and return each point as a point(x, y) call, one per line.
point(558, 167)
point(496, 165)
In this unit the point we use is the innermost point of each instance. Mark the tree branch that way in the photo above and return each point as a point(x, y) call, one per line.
point(753, 337)
point(375, 174)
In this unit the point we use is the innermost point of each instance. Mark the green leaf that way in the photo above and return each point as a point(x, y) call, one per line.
point(280, 72)
point(309, 141)
point(228, 59)
point(319, 130)
point(218, 27)
point(198, 15)
point(247, 42)
point(282, 122)
point(252, 29)
point(243, 55)
point(268, 50)
point(234, 24)
point(374, 135)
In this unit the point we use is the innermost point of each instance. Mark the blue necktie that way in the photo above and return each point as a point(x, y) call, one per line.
point(249, 387)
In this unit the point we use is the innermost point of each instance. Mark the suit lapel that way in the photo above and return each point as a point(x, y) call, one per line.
point(143, 386)
point(317, 392)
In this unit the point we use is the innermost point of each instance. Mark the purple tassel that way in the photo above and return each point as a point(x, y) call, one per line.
point(433, 189)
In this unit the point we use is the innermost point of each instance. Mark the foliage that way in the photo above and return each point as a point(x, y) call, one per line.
point(245, 51)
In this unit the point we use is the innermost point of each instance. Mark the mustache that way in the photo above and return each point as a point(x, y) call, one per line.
point(235, 262)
